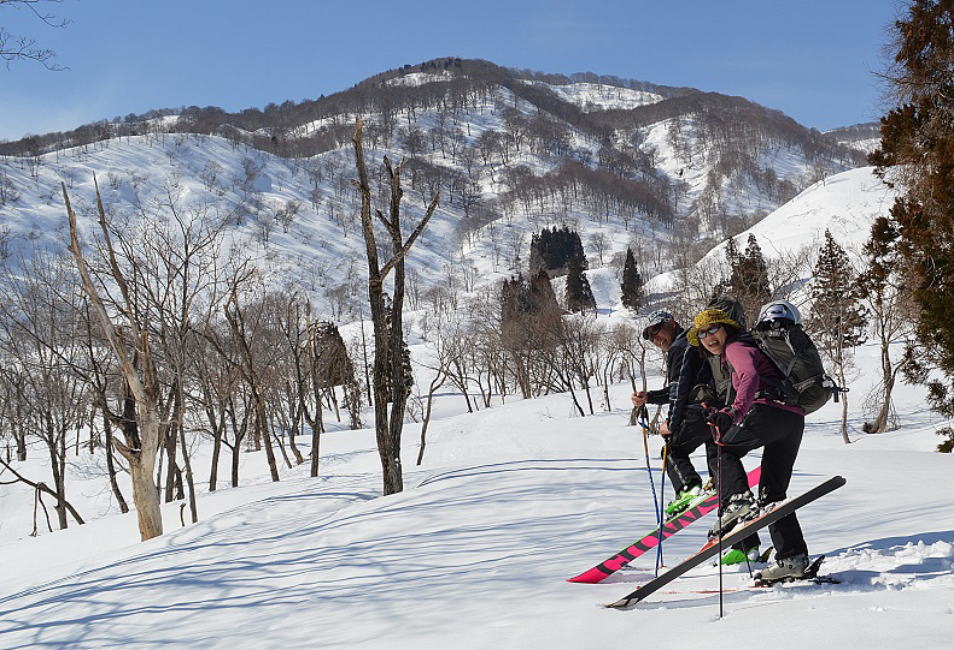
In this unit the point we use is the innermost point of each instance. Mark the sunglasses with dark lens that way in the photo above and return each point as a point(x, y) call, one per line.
point(711, 330)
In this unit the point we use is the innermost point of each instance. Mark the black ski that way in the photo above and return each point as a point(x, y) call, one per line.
point(738, 534)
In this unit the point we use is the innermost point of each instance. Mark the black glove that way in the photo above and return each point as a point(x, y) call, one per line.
point(721, 420)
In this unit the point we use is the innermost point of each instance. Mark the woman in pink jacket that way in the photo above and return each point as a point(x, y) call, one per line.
point(754, 418)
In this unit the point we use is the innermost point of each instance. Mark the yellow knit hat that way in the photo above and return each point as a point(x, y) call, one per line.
point(706, 319)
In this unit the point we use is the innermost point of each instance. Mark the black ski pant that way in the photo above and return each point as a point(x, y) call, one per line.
point(693, 433)
point(780, 432)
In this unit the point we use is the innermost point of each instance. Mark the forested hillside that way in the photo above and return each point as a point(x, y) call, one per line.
point(511, 151)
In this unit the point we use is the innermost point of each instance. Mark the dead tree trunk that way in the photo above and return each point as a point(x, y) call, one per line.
point(111, 465)
point(387, 425)
point(142, 383)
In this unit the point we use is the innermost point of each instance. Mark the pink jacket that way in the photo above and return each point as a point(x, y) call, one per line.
point(749, 365)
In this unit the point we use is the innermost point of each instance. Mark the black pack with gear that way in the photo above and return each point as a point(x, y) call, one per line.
point(804, 380)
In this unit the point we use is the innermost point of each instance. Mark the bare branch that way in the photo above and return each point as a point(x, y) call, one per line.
point(23, 48)
point(402, 253)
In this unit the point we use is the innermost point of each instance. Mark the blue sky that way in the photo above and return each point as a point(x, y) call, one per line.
point(814, 60)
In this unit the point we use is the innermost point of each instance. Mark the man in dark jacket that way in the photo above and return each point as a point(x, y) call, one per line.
point(688, 384)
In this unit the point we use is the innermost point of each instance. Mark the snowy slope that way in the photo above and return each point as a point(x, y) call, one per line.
point(320, 249)
point(509, 503)
point(594, 96)
point(845, 204)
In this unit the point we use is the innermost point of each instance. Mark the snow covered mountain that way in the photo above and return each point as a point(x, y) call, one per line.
point(845, 204)
point(626, 163)
point(863, 137)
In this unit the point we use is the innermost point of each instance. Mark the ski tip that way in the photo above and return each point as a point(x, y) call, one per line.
point(587, 578)
point(622, 604)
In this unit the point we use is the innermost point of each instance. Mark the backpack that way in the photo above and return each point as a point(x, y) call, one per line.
point(730, 305)
point(804, 380)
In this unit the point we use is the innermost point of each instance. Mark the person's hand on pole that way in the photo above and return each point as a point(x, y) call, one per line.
point(720, 421)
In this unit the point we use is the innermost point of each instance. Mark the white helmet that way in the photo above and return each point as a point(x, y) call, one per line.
point(778, 310)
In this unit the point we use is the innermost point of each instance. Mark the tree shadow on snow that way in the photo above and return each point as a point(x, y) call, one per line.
point(253, 569)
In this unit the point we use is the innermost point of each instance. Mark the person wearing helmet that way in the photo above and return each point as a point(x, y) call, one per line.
point(754, 417)
point(685, 428)
point(779, 311)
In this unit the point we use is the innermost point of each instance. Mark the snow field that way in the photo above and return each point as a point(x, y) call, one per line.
point(509, 503)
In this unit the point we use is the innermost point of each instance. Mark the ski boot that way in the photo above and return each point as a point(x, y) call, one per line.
point(741, 507)
point(787, 570)
point(683, 500)
point(738, 556)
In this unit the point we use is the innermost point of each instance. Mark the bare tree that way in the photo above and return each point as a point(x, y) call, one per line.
point(388, 342)
point(885, 286)
point(253, 360)
point(36, 333)
point(599, 242)
point(438, 380)
point(130, 343)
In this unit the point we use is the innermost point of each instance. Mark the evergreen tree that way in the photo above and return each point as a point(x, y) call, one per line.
point(756, 271)
point(510, 299)
point(552, 249)
point(749, 280)
point(579, 295)
point(632, 285)
point(528, 308)
point(917, 145)
point(334, 367)
point(542, 300)
point(537, 262)
point(837, 318)
point(837, 315)
point(731, 253)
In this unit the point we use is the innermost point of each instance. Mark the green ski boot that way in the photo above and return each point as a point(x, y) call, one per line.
point(683, 500)
point(738, 556)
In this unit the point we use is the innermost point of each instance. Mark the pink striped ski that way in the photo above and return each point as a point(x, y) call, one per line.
point(617, 561)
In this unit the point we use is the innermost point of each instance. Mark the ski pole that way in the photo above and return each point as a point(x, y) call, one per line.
point(718, 442)
point(644, 424)
point(662, 509)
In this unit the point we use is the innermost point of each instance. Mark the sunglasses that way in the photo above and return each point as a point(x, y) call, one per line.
point(710, 330)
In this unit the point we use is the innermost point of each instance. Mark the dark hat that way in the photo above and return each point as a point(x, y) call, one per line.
point(658, 317)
